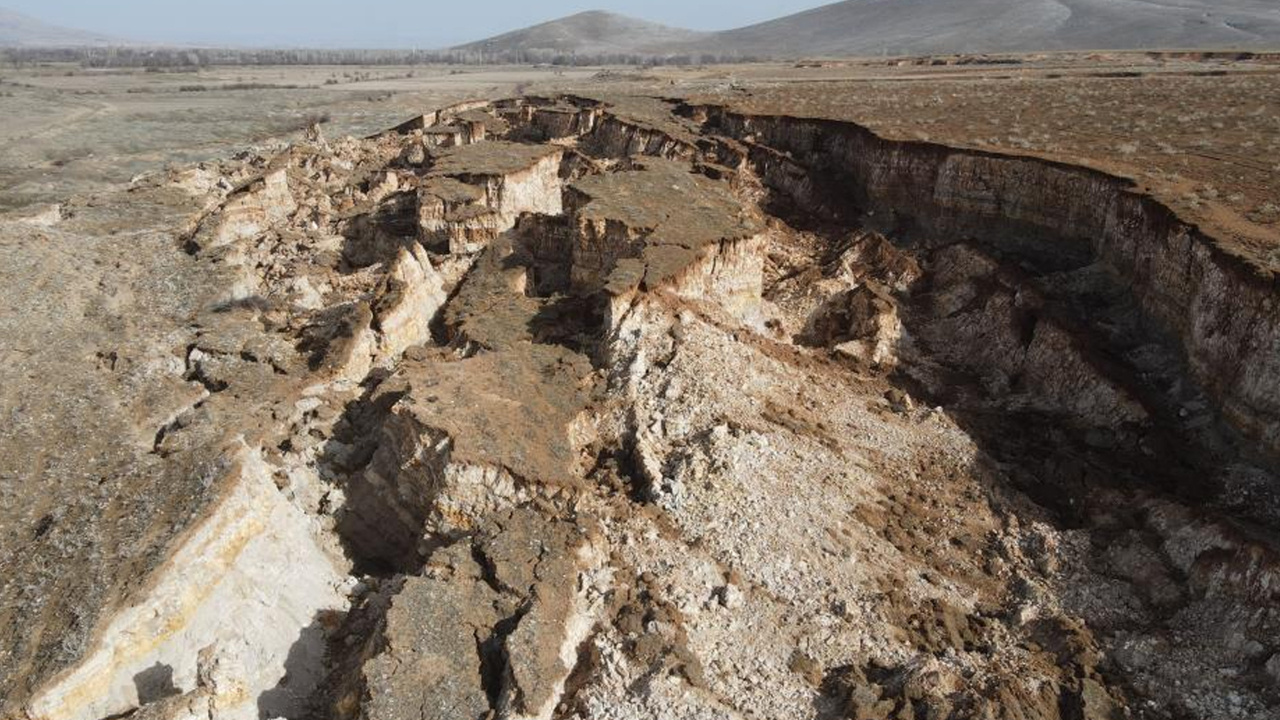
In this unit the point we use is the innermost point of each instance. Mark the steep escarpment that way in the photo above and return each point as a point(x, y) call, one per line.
point(617, 407)
point(1217, 306)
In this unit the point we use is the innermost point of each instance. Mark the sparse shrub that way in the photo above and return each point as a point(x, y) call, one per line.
point(1266, 214)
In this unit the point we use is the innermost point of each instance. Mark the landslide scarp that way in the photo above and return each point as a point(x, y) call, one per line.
point(626, 407)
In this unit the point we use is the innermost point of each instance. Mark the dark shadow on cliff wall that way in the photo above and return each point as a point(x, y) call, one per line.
point(300, 692)
point(155, 684)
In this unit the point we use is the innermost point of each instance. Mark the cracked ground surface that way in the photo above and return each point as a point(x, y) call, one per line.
point(638, 403)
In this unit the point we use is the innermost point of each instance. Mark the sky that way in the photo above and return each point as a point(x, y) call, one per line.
point(377, 23)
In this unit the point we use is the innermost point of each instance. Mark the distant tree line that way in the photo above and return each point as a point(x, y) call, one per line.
point(184, 58)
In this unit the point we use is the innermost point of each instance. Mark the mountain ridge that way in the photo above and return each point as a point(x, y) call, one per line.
point(904, 27)
point(18, 30)
point(590, 32)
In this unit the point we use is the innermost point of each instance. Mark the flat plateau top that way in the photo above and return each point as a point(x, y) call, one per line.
point(644, 199)
point(496, 157)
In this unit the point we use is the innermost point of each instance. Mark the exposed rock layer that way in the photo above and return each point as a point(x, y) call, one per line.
point(1221, 309)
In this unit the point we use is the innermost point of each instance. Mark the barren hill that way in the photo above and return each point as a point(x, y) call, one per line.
point(945, 26)
point(18, 30)
point(873, 27)
point(592, 32)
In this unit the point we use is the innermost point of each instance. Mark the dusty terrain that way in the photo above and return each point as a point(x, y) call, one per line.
point(879, 390)
point(70, 130)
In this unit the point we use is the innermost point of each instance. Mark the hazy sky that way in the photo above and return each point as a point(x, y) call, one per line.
point(372, 23)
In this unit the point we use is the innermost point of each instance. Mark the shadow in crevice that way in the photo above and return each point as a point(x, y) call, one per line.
point(358, 636)
point(301, 692)
point(570, 321)
point(373, 547)
point(377, 235)
point(542, 247)
point(155, 684)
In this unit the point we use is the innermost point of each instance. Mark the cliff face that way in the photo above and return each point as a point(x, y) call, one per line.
point(249, 212)
point(1220, 310)
point(179, 636)
point(476, 192)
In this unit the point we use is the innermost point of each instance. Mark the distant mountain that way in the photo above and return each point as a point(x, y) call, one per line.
point(588, 33)
point(910, 27)
point(869, 27)
point(18, 30)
